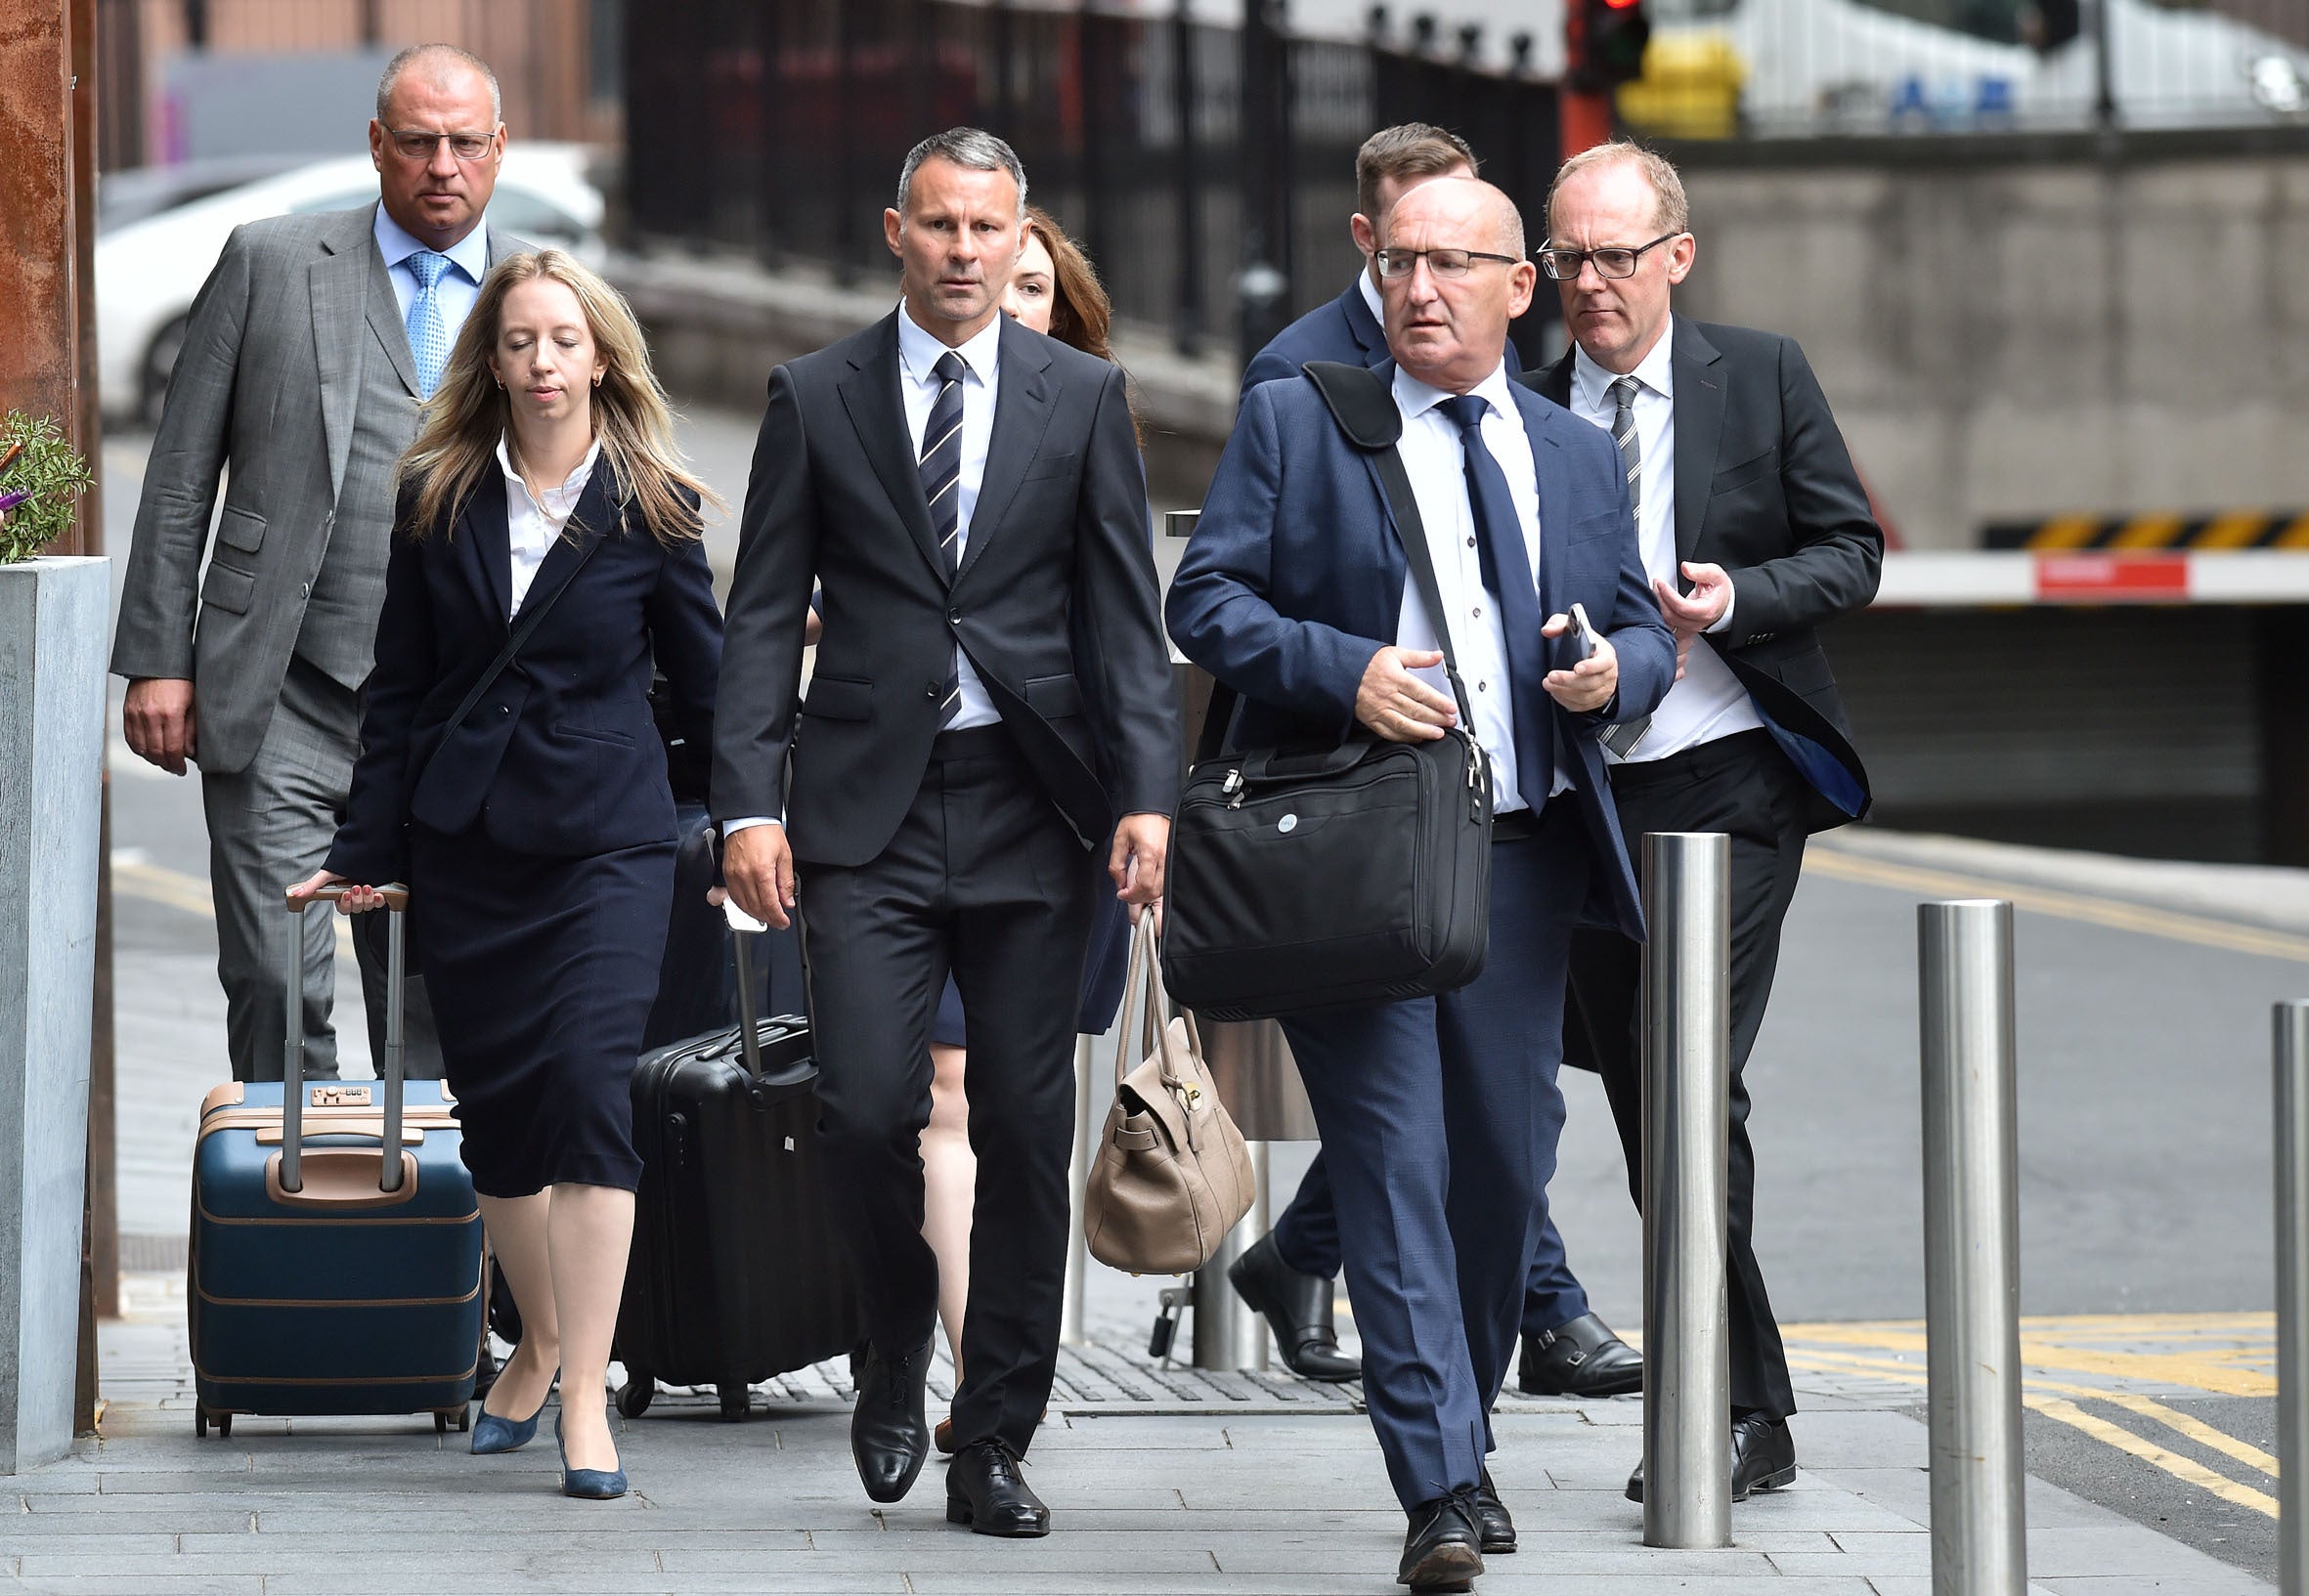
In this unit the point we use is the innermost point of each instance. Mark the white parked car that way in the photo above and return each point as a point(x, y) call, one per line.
point(148, 272)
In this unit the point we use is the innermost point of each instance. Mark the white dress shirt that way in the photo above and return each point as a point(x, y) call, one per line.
point(1433, 460)
point(530, 526)
point(456, 290)
point(918, 386)
point(1371, 296)
point(1709, 702)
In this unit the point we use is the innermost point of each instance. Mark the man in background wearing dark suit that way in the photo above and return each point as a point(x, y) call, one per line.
point(991, 723)
point(1755, 532)
point(1287, 1275)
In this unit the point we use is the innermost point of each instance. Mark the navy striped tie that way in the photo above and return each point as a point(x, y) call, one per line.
point(942, 487)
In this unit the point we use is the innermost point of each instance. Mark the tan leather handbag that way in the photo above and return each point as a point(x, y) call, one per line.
point(1171, 1175)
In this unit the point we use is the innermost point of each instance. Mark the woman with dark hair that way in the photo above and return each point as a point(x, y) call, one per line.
point(1053, 290)
point(535, 829)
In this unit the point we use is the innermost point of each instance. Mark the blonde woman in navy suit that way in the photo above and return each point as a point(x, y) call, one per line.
point(537, 833)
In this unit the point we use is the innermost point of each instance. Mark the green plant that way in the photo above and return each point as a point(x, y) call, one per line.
point(41, 480)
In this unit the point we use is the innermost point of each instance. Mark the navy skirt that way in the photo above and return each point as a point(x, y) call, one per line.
point(1102, 974)
point(541, 971)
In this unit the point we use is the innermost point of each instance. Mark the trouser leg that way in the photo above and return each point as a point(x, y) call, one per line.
point(1307, 1233)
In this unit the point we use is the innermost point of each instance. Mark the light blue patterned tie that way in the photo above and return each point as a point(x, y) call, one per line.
point(428, 332)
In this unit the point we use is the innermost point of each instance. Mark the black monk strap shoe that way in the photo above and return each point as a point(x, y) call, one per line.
point(1764, 1458)
point(1443, 1549)
point(888, 1435)
point(1491, 1521)
point(1297, 1306)
point(1582, 1359)
point(986, 1491)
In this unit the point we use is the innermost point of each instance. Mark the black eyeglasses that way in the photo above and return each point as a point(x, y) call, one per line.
point(1611, 261)
point(1444, 262)
point(415, 145)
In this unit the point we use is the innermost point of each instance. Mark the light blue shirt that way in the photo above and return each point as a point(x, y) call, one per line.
point(456, 290)
point(918, 388)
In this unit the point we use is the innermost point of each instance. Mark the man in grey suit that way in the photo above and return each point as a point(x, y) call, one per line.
point(308, 352)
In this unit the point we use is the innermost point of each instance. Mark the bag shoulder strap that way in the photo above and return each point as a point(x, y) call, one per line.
point(533, 615)
point(1364, 406)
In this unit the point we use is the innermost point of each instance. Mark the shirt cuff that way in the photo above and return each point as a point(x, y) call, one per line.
point(730, 828)
point(1731, 597)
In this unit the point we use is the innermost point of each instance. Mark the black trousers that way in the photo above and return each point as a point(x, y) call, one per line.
point(986, 880)
point(1744, 786)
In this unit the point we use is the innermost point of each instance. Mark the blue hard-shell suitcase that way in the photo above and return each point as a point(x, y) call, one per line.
point(324, 1279)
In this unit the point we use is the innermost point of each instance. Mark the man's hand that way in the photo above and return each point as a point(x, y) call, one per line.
point(1588, 685)
point(1684, 644)
point(1397, 705)
point(157, 721)
point(758, 863)
point(1689, 614)
point(1141, 847)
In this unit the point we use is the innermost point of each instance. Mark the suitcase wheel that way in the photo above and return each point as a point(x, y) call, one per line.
point(465, 1420)
point(440, 1424)
point(735, 1400)
point(203, 1419)
point(637, 1394)
point(200, 1423)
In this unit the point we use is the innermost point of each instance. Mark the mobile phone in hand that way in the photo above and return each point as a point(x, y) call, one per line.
point(1583, 635)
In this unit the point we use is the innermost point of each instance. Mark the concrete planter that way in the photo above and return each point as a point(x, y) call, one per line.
point(53, 618)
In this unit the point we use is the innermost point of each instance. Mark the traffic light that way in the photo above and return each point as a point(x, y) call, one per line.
point(1603, 43)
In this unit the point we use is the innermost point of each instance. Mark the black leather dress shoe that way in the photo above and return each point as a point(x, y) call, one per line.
point(1582, 1359)
point(888, 1435)
point(1443, 1550)
point(1492, 1523)
point(1298, 1309)
point(1764, 1458)
point(986, 1491)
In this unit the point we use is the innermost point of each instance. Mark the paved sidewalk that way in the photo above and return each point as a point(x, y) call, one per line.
point(1246, 1497)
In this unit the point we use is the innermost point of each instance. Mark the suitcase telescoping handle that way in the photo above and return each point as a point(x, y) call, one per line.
point(743, 928)
point(292, 1073)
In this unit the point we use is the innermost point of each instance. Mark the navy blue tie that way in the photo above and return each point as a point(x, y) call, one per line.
point(942, 489)
point(1506, 564)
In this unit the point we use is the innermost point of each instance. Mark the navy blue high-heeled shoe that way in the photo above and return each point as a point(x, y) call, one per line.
point(491, 1434)
point(590, 1484)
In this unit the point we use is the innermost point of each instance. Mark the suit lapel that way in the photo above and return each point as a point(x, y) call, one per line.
point(1369, 336)
point(1021, 416)
point(594, 517)
point(870, 394)
point(1699, 425)
point(387, 322)
point(1554, 383)
point(338, 286)
point(489, 546)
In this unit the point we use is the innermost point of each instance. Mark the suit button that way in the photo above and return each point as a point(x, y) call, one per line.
point(931, 691)
point(304, 590)
point(503, 710)
point(954, 617)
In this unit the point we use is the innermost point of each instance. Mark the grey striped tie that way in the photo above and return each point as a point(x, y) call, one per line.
point(1624, 736)
point(942, 487)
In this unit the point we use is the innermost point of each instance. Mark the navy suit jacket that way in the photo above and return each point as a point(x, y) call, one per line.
point(561, 757)
point(1343, 331)
point(1294, 576)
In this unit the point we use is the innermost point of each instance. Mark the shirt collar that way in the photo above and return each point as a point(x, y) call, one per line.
point(574, 483)
point(918, 352)
point(469, 254)
point(1415, 397)
point(1656, 371)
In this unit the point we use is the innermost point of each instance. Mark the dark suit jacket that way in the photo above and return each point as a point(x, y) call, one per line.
point(1765, 489)
point(1055, 605)
point(1343, 331)
point(560, 757)
point(1294, 575)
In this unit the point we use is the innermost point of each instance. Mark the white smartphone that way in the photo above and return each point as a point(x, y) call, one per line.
point(1584, 638)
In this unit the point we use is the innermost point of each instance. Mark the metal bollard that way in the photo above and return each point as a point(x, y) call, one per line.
point(1228, 1335)
point(1972, 1249)
point(1686, 1012)
point(1073, 1330)
point(2292, 1297)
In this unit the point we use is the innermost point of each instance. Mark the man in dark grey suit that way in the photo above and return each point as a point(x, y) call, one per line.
point(988, 743)
point(309, 350)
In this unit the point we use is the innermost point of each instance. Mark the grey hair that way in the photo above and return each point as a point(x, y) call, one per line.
point(968, 146)
point(408, 58)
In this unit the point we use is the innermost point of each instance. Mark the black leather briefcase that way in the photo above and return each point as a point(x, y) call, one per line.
point(1356, 874)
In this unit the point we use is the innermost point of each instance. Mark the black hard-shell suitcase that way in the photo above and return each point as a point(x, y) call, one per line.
point(734, 1276)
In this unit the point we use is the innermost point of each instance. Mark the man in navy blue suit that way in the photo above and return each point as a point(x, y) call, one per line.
point(1287, 1275)
point(1440, 1115)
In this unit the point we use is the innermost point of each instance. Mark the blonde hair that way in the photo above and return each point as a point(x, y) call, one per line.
point(1673, 213)
point(455, 447)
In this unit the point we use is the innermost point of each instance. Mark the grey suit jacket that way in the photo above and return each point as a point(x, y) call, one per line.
point(294, 343)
